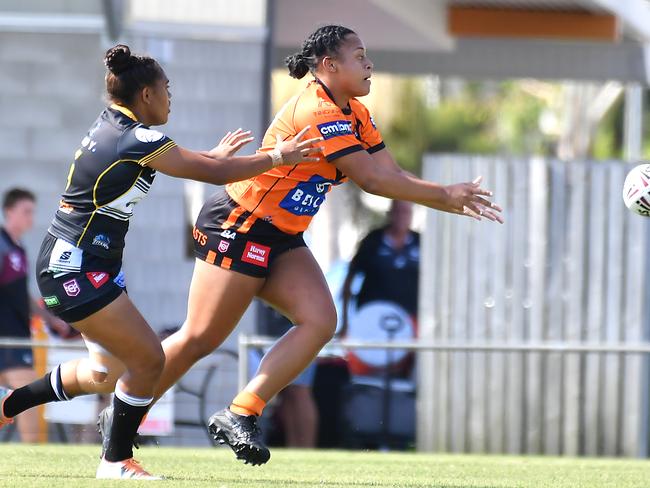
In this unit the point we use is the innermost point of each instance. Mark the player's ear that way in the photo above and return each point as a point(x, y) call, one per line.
point(146, 94)
point(329, 64)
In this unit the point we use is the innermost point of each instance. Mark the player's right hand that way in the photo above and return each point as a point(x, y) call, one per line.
point(469, 199)
point(296, 150)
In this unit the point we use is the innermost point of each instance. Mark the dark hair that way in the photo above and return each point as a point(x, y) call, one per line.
point(15, 195)
point(128, 73)
point(324, 41)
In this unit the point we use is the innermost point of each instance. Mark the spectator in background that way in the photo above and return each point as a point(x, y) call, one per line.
point(16, 306)
point(389, 259)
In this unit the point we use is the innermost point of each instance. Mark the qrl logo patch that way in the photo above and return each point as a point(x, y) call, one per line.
point(256, 254)
point(71, 288)
point(223, 246)
point(97, 278)
point(335, 128)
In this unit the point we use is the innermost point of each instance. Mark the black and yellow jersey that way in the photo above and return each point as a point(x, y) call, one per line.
point(108, 177)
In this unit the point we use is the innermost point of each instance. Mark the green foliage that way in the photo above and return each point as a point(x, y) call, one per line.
point(503, 120)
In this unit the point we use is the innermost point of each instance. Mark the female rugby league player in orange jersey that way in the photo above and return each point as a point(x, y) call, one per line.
point(248, 237)
point(79, 265)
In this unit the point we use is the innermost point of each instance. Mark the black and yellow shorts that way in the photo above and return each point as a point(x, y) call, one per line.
point(75, 283)
point(227, 235)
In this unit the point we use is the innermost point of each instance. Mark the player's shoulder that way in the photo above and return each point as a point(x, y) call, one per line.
point(139, 139)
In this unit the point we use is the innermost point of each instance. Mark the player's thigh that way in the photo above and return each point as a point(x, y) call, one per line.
point(297, 288)
point(17, 377)
point(123, 332)
point(217, 300)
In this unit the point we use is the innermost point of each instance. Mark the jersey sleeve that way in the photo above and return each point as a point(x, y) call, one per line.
point(142, 145)
point(368, 132)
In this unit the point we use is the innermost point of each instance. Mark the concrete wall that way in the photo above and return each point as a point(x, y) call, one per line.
point(51, 90)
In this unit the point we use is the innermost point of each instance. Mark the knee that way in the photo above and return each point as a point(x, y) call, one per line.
point(197, 346)
point(151, 360)
point(323, 323)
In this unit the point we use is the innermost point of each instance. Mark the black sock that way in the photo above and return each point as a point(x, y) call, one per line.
point(126, 421)
point(45, 390)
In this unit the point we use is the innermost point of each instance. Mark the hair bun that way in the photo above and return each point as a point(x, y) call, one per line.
point(118, 59)
point(297, 65)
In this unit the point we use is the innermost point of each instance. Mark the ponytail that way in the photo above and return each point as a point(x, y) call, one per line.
point(324, 41)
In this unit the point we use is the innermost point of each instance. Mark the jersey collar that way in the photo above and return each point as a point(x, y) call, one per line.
point(125, 111)
point(346, 110)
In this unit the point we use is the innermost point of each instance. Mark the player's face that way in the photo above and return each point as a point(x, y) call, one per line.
point(21, 215)
point(160, 101)
point(354, 67)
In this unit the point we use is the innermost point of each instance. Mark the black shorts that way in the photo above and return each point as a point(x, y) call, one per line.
point(75, 283)
point(16, 358)
point(229, 236)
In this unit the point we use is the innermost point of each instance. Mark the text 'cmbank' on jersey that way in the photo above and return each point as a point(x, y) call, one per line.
point(108, 177)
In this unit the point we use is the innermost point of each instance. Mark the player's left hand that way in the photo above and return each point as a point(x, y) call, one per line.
point(231, 143)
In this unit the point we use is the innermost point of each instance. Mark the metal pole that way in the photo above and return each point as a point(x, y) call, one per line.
point(633, 126)
point(267, 66)
point(243, 361)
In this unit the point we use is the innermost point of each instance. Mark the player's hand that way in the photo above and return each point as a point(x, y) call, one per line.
point(231, 143)
point(296, 150)
point(59, 326)
point(469, 199)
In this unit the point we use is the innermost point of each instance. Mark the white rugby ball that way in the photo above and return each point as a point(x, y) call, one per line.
point(636, 190)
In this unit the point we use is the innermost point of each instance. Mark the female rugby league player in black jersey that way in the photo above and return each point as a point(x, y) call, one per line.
point(79, 265)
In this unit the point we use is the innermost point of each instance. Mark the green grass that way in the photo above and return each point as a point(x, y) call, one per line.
point(73, 466)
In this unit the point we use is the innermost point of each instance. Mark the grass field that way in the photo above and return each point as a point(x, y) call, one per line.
point(73, 466)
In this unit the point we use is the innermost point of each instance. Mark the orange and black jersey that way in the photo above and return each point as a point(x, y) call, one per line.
point(289, 196)
point(107, 178)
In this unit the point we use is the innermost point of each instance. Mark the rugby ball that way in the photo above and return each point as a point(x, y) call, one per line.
point(636, 190)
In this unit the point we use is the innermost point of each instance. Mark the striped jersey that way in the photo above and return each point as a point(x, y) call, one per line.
point(108, 177)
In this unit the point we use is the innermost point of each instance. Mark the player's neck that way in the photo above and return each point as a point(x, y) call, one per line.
point(342, 100)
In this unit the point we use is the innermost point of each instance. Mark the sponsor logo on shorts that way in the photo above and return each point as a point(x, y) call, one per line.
point(65, 256)
point(199, 236)
point(229, 234)
point(256, 254)
point(223, 246)
point(119, 280)
point(335, 128)
point(51, 301)
point(71, 288)
point(97, 278)
point(102, 241)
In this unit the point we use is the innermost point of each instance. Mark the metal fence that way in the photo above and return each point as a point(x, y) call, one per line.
point(568, 266)
point(208, 386)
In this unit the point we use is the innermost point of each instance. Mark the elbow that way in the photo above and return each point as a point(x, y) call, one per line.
point(373, 183)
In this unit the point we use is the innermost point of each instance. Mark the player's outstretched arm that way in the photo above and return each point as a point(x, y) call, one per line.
point(219, 166)
point(380, 175)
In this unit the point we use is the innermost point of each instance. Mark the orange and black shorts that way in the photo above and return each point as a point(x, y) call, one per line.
point(231, 237)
